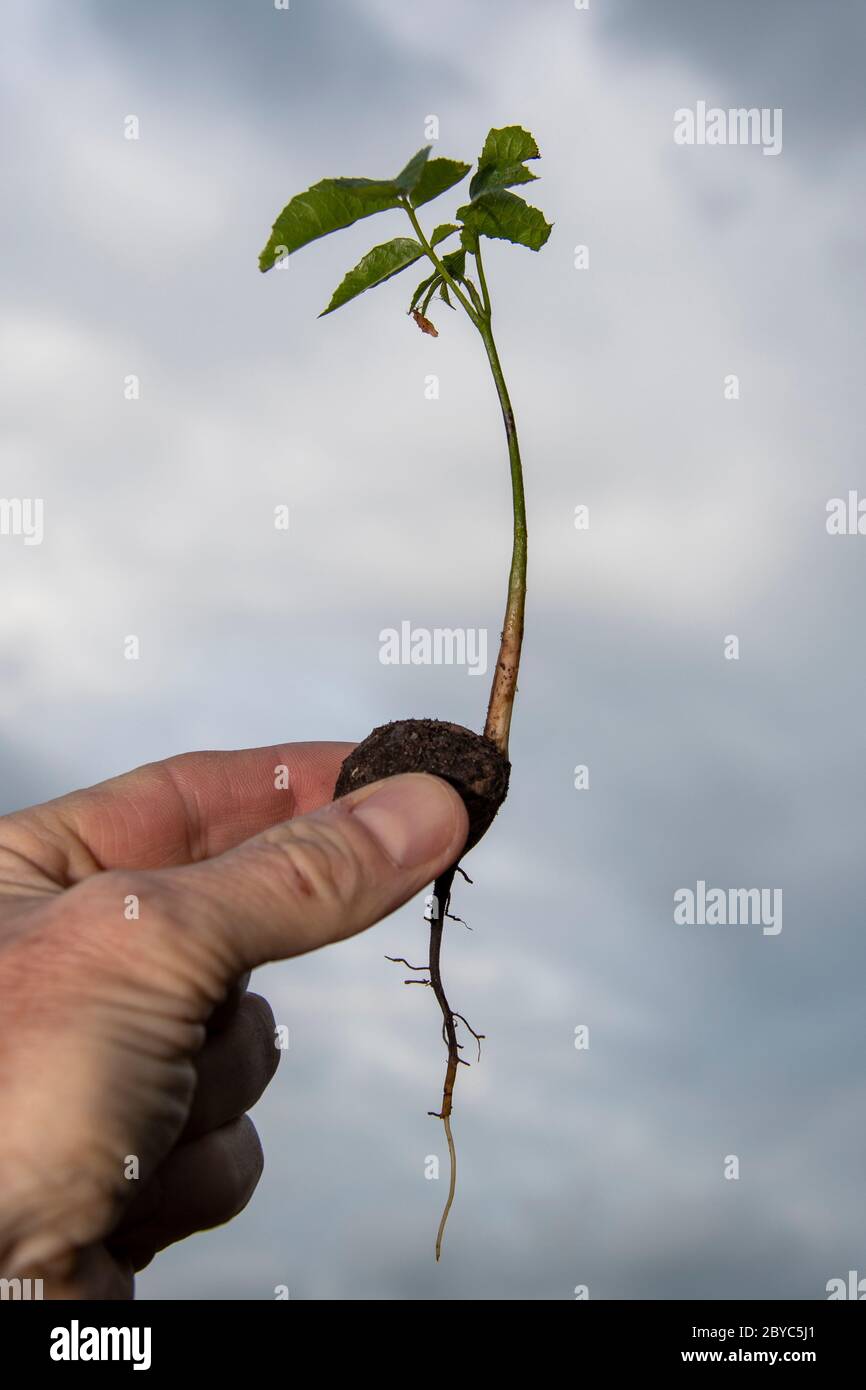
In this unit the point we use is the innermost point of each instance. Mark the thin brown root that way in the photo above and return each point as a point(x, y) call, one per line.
point(463, 874)
point(441, 898)
point(452, 918)
point(446, 1120)
point(477, 1036)
point(398, 960)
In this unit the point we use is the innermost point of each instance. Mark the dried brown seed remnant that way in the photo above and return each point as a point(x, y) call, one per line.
point(424, 324)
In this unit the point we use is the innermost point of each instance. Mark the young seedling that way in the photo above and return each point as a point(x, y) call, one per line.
point(476, 764)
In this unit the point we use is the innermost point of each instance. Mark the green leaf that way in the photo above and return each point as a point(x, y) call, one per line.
point(408, 178)
point(443, 294)
point(446, 229)
point(437, 281)
point(455, 264)
point(494, 176)
point(326, 207)
point(509, 145)
point(424, 285)
point(370, 187)
point(501, 162)
point(373, 269)
point(504, 215)
point(439, 175)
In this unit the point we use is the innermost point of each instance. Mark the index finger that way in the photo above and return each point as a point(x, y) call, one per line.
point(179, 811)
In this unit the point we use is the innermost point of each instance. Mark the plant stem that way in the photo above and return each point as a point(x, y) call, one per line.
point(431, 255)
point(504, 686)
point(482, 278)
point(503, 689)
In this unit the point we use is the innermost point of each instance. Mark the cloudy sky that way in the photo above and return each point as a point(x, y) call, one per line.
point(603, 1167)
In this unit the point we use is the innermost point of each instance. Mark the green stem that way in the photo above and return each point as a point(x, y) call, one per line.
point(436, 260)
point(482, 278)
point(504, 687)
point(497, 726)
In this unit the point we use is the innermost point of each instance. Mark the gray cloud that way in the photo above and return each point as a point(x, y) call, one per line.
point(787, 53)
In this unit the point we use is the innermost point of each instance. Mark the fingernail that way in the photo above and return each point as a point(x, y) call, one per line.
point(413, 818)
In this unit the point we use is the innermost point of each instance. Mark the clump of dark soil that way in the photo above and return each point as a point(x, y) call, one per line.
point(471, 763)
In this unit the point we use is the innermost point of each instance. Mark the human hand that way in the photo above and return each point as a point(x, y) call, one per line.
point(130, 1037)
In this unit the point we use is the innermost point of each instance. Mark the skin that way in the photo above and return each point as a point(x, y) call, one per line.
point(138, 1037)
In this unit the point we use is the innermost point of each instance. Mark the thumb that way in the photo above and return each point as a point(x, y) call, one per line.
point(324, 876)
